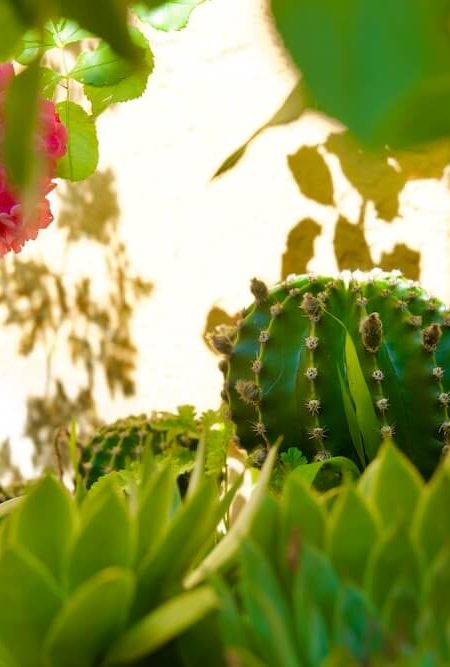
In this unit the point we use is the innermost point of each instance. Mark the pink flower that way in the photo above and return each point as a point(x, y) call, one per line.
point(17, 225)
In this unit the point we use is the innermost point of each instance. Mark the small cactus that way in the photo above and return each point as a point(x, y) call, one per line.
point(285, 366)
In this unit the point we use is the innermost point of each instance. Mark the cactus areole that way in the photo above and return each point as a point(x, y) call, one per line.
point(334, 365)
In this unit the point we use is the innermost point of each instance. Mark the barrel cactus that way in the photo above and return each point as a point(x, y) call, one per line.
point(335, 365)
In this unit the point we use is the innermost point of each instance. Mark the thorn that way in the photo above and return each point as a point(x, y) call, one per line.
point(311, 342)
point(259, 428)
point(382, 404)
point(311, 373)
point(248, 391)
point(371, 330)
point(323, 455)
point(276, 309)
point(444, 398)
point(431, 337)
point(438, 372)
point(259, 290)
point(313, 406)
point(378, 375)
point(317, 433)
point(415, 320)
point(387, 432)
point(257, 366)
point(264, 336)
point(312, 307)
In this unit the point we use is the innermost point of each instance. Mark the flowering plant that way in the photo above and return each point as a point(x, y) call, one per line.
point(17, 223)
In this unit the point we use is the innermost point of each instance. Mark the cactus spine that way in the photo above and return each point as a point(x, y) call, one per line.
point(285, 365)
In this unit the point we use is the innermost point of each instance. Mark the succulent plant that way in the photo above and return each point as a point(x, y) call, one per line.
point(337, 365)
point(357, 576)
point(100, 582)
point(172, 437)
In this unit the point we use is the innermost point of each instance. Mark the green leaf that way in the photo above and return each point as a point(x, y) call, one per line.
point(401, 614)
point(104, 19)
point(101, 67)
point(154, 511)
point(162, 625)
point(291, 110)
point(105, 538)
point(324, 475)
point(12, 30)
point(394, 561)
point(49, 79)
point(192, 525)
point(90, 620)
point(437, 585)
point(30, 600)
point(130, 87)
point(81, 158)
point(301, 512)
point(351, 533)
point(395, 487)
point(431, 525)
point(64, 32)
point(355, 625)
point(21, 115)
point(362, 399)
point(6, 659)
point(45, 522)
point(166, 15)
point(227, 548)
point(315, 582)
point(400, 48)
point(312, 175)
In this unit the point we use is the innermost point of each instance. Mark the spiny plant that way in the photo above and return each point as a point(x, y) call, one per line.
point(357, 576)
point(99, 581)
point(170, 437)
point(336, 365)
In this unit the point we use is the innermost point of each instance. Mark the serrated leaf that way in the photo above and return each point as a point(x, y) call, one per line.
point(12, 30)
point(81, 158)
point(431, 526)
point(45, 523)
point(394, 562)
point(312, 175)
point(362, 399)
point(30, 600)
point(127, 89)
point(32, 46)
point(228, 547)
point(351, 533)
point(21, 115)
point(395, 487)
point(291, 110)
point(105, 538)
point(162, 625)
point(166, 14)
point(90, 620)
point(100, 67)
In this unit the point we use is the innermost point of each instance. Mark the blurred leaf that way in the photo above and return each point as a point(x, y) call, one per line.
point(228, 547)
point(430, 525)
point(400, 48)
point(312, 175)
point(21, 115)
point(301, 511)
point(12, 30)
point(101, 67)
point(394, 561)
point(90, 620)
point(166, 14)
point(49, 79)
point(33, 45)
point(401, 614)
point(104, 19)
point(269, 618)
point(46, 538)
point(64, 32)
point(291, 110)
point(155, 510)
point(315, 582)
point(162, 625)
point(362, 399)
point(437, 586)
point(128, 88)
point(81, 158)
point(30, 600)
point(351, 533)
point(395, 487)
point(6, 659)
point(355, 625)
point(370, 173)
point(105, 522)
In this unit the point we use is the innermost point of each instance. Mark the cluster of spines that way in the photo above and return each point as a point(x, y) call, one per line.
point(371, 332)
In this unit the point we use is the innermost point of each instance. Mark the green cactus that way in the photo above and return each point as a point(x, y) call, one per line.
point(173, 437)
point(336, 365)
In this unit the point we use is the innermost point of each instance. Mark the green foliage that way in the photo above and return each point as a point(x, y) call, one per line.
point(335, 366)
point(81, 158)
point(373, 67)
point(100, 582)
point(340, 583)
point(173, 438)
point(166, 14)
